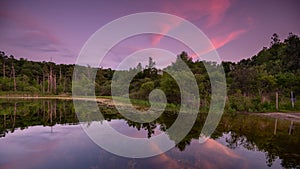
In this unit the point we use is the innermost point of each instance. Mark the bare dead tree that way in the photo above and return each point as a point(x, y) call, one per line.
point(14, 76)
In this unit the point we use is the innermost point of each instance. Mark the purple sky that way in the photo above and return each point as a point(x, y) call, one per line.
point(41, 30)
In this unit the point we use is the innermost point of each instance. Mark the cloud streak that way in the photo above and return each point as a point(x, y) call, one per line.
point(210, 11)
point(164, 29)
point(218, 42)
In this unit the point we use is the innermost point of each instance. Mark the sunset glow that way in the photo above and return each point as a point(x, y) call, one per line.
point(58, 30)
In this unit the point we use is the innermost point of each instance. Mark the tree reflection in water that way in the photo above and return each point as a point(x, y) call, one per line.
point(276, 138)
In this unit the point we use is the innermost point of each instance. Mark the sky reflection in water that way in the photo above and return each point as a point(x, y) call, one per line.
point(67, 146)
point(239, 142)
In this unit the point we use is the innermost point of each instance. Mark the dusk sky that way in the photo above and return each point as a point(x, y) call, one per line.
point(57, 30)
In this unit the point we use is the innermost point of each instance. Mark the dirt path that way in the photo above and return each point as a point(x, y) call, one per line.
point(286, 116)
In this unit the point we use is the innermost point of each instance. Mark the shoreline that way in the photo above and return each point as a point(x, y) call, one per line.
point(106, 101)
point(101, 100)
point(291, 116)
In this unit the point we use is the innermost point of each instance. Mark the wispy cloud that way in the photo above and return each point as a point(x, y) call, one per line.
point(210, 11)
point(164, 29)
point(220, 41)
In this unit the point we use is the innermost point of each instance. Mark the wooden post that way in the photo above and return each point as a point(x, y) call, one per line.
point(292, 99)
point(276, 101)
point(275, 128)
point(291, 128)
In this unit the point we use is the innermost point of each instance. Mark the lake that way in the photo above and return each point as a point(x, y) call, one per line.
point(46, 134)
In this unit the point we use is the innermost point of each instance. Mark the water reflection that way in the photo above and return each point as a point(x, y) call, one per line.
point(46, 134)
point(22, 114)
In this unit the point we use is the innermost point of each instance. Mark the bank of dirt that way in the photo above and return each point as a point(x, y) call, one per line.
point(295, 116)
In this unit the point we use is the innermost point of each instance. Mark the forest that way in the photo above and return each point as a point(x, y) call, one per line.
point(252, 84)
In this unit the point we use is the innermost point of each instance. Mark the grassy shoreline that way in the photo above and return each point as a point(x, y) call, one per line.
point(141, 104)
point(144, 105)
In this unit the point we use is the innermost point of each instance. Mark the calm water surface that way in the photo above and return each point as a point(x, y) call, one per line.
point(46, 134)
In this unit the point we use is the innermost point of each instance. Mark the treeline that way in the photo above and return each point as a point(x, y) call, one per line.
point(34, 77)
point(252, 84)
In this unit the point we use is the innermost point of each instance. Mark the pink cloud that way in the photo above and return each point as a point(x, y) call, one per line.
point(164, 29)
point(210, 11)
point(218, 147)
point(205, 155)
point(221, 41)
point(217, 10)
point(218, 42)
